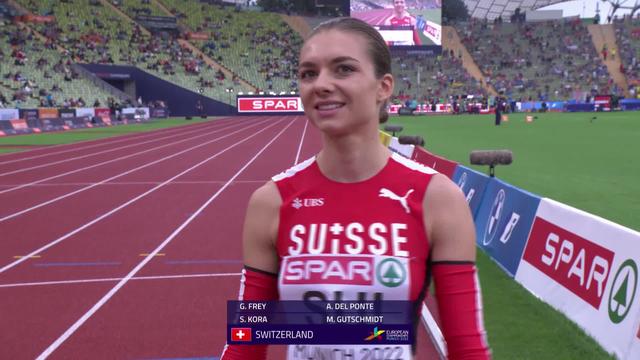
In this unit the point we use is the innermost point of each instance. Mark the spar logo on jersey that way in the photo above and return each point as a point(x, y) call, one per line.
point(576, 263)
point(269, 104)
point(623, 291)
point(497, 208)
point(297, 203)
point(391, 273)
point(351, 270)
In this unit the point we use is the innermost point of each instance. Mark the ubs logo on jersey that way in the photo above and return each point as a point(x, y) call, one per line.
point(297, 203)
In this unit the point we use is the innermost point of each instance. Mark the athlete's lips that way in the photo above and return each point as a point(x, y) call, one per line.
point(328, 105)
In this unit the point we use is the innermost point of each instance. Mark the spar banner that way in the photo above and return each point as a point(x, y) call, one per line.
point(503, 222)
point(269, 104)
point(19, 124)
point(48, 113)
point(587, 268)
point(438, 163)
point(603, 102)
point(136, 113)
point(85, 112)
point(402, 149)
point(67, 113)
point(9, 114)
point(104, 114)
point(472, 184)
point(29, 114)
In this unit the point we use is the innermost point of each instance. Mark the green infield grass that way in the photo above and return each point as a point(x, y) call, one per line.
point(586, 160)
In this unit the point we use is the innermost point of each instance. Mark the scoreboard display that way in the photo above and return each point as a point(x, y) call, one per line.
point(404, 24)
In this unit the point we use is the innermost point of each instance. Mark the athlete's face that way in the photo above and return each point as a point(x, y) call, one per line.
point(399, 5)
point(337, 81)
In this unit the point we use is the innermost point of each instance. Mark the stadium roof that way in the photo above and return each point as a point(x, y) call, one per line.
point(491, 9)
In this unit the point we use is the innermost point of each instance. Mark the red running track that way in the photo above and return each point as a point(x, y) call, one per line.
point(132, 251)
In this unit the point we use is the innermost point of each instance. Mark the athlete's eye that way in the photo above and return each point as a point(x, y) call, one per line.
point(306, 74)
point(345, 69)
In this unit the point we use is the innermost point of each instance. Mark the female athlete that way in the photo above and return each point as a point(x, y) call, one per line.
point(356, 205)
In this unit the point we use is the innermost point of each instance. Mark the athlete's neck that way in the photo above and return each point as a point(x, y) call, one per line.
point(353, 158)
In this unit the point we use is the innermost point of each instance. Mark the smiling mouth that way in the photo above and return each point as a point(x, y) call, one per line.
point(329, 106)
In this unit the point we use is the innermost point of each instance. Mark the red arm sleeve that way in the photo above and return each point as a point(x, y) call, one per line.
point(254, 285)
point(460, 307)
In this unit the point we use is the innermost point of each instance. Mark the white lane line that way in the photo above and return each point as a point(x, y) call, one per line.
point(103, 142)
point(301, 141)
point(125, 183)
point(113, 211)
point(110, 161)
point(434, 332)
point(24, 211)
point(98, 153)
point(135, 270)
point(87, 281)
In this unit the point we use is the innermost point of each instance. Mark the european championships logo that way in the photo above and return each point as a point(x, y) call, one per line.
point(375, 334)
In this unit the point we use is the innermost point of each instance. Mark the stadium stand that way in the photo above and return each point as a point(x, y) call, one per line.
point(259, 47)
point(94, 33)
point(425, 79)
point(34, 75)
point(628, 41)
point(537, 61)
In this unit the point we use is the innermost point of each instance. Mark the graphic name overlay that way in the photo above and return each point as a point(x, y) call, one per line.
point(341, 322)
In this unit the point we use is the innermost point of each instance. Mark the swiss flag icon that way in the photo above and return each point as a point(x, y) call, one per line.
point(240, 334)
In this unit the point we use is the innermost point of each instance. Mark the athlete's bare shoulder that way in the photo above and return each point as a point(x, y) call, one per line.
point(448, 221)
point(260, 229)
point(266, 196)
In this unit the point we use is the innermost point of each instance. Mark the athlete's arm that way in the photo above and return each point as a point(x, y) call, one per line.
point(259, 276)
point(451, 233)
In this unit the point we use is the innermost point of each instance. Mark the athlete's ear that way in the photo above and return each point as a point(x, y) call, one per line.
point(385, 89)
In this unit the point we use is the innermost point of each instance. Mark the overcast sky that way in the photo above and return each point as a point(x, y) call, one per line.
point(587, 8)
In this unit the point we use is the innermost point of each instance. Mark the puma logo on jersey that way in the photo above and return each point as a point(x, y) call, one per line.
point(402, 199)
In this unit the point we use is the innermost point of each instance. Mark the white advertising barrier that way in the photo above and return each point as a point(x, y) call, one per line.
point(137, 112)
point(85, 112)
point(9, 114)
point(587, 268)
point(434, 32)
point(402, 149)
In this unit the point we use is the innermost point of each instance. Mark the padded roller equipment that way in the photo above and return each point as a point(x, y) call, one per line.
point(491, 158)
point(416, 140)
point(393, 129)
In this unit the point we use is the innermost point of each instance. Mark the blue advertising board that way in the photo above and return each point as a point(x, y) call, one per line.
point(503, 222)
point(472, 184)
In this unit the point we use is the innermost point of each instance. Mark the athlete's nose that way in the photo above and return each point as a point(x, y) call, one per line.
point(323, 83)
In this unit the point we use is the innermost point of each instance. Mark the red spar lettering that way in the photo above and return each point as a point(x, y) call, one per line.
point(328, 270)
point(576, 263)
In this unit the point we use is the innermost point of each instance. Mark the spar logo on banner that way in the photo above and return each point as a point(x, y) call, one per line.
point(290, 104)
point(587, 268)
point(472, 184)
point(503, 221)
point(623, 291)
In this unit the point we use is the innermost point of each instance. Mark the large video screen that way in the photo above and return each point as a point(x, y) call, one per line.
point(411, 24)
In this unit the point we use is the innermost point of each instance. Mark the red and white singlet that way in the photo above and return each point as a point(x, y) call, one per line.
point(352, 241)
point(403, 21)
